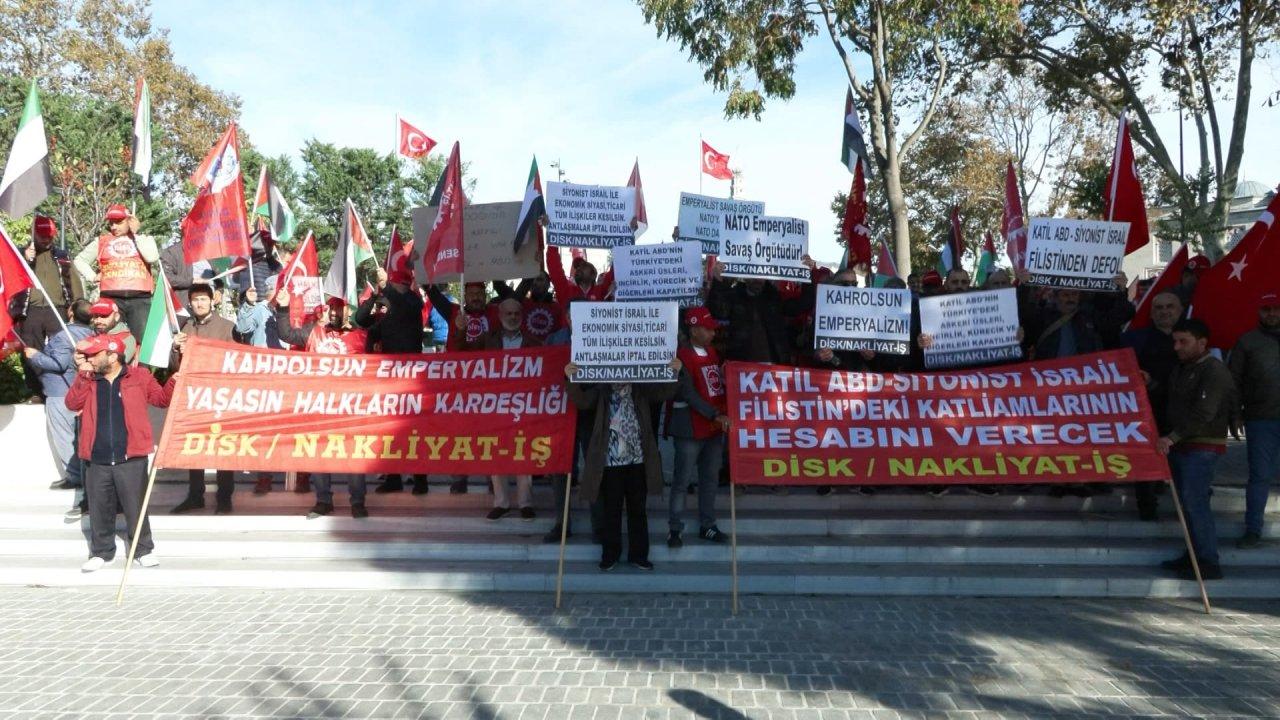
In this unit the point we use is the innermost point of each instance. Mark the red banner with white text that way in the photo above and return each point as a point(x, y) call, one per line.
point(1078, 419)
point(483, 413)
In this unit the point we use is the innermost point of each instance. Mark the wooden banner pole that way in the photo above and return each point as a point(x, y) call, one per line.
point(137, 532)
point(564, 535)
point(1191, 551)
point(733, 540)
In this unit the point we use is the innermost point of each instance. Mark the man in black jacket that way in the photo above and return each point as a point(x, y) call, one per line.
point(757, 316)
point(1157, 360)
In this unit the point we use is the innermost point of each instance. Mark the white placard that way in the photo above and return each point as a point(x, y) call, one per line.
point(662, 271)
point(764, 246)
point(590, 216)
point(1076, 254)
point(853, 318)
point(489, 242)
point(973, 328)
point(702, 216)
point(623, 342)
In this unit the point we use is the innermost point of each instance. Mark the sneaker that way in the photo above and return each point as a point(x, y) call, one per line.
point(94, 564)
point(420, 487)
point(607, 565)
point(527, 514)
point(1249, 540)
point(642, 564)
point(188, 505)
point(553, 535)
point(263, 486)
point(674, 540)
point(497, 513)
point(358, 511)
point(458, 487)
point(73, 515)
point(149, 560)
point(320, 510)
point(713, 534)
point(223, 508)
point(62, 485)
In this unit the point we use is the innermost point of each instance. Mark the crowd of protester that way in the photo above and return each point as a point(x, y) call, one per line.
point(95, 395)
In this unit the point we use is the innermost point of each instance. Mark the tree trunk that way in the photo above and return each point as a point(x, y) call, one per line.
point(900, 228)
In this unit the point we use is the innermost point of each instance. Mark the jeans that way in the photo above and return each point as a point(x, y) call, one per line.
point(1193, 478)
point(695, 460)
point(1264, 462)
point(322, 483)
point(624, 485)
point(107, 485)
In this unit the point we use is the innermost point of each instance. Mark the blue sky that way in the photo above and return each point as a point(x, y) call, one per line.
point(585, 83)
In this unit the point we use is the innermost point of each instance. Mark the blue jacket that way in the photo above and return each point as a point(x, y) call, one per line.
point(439, 328)
point(56, 364)
point(251, 323)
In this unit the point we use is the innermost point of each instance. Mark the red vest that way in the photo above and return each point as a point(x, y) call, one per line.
point(478, 325)
point(121, 268)
point(705, 371)
point(328, 341)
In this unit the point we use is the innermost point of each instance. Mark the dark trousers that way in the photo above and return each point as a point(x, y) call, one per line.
point(107, 485)
point(226, 484)
point(1147, 496)
point(133, 311)
point(40, 324)
point(619, 486)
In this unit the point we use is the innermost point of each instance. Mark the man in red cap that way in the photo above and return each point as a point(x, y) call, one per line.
point(115, 439)
point(52, 267)
point(1191, 273)
point(697, 422)
point(104, 319)
point(124, 261)
point(1255, 366)
point(931, 283)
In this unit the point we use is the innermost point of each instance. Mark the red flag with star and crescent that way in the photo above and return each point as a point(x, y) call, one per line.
point(15, 277)
point(1124, 201)
point(1227, 295)
point(413, 142)
point(714, 163)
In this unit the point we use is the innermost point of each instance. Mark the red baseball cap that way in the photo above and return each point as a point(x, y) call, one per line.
point(102, 308)
point(701, 317)
point(931, 278)
point(95, 344)
point(44, 227)
point(1197, 264)
point(335, 303)
point(1269, 299)
point(116, 213)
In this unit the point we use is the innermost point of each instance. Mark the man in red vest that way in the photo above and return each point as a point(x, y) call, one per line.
point(697, 423)
point(124, 261)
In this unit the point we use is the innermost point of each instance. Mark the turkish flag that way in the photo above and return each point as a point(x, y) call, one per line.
point(445, 243)
point(1226, 296)
point(1124, 201)
point(301, 277)
point(714, 163)
point(1012, 226)
point(15, 277)
point(413, 142)
point(853, 229)
point(1169, 278)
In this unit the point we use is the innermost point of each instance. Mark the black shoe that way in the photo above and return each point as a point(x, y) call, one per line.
point(866, 490)
point(607, 565)
point(824, 490)
point(713, 534)
point(458, 487)
point(1249, 541)
point(1147, 513)
point(62, 485)
point(1178, 564)
point(358, 511)
point(674, 540)
point(497, 513)
point(596, 539)
point(987, 490)
point(692, 489)
point(223, 508)
point(1081, 490)
point(188, 505)
point(642, 564)
point(390, 486)
point(420, 488)
point(1057, 491)
point(1208, 571)
point(939, 490)
point(553, 535)
point(527, 514)
point(320, 510)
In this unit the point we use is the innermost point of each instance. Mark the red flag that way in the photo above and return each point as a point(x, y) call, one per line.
point(1169, 279)
point(853, 229)
point(444, 244)
point(301, 278)
point(642, 217)
point(10, 345)
point(1012, 226)
point(714, 163)
point(1226, 296)
point(1124, 201)
point(413, 142)
point(15, 277)
point(217, 225)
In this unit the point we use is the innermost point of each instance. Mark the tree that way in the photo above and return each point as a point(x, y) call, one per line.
point(1203, 51)
point(915, 47)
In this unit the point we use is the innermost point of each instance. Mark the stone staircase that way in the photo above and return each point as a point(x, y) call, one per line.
point(896, 542)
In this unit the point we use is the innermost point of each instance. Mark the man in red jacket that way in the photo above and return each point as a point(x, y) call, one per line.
point(115, 439)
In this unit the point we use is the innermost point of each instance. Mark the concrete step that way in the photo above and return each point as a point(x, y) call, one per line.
point(70, 544)
point(693, 577)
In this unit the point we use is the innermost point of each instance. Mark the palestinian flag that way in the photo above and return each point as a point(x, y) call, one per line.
point(142, 132)
point(886, 268)
point(354, 247)
point(953, 251)
point(986, 262)
point(27, 180)
point(854, 146)
point(271, 211)
point(162, 325)
point(532, 208)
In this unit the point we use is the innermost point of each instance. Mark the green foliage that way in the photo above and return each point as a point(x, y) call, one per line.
point(13, 388)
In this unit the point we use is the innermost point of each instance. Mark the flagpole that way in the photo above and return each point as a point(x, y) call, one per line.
point(35, 281)
point(700, 163)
